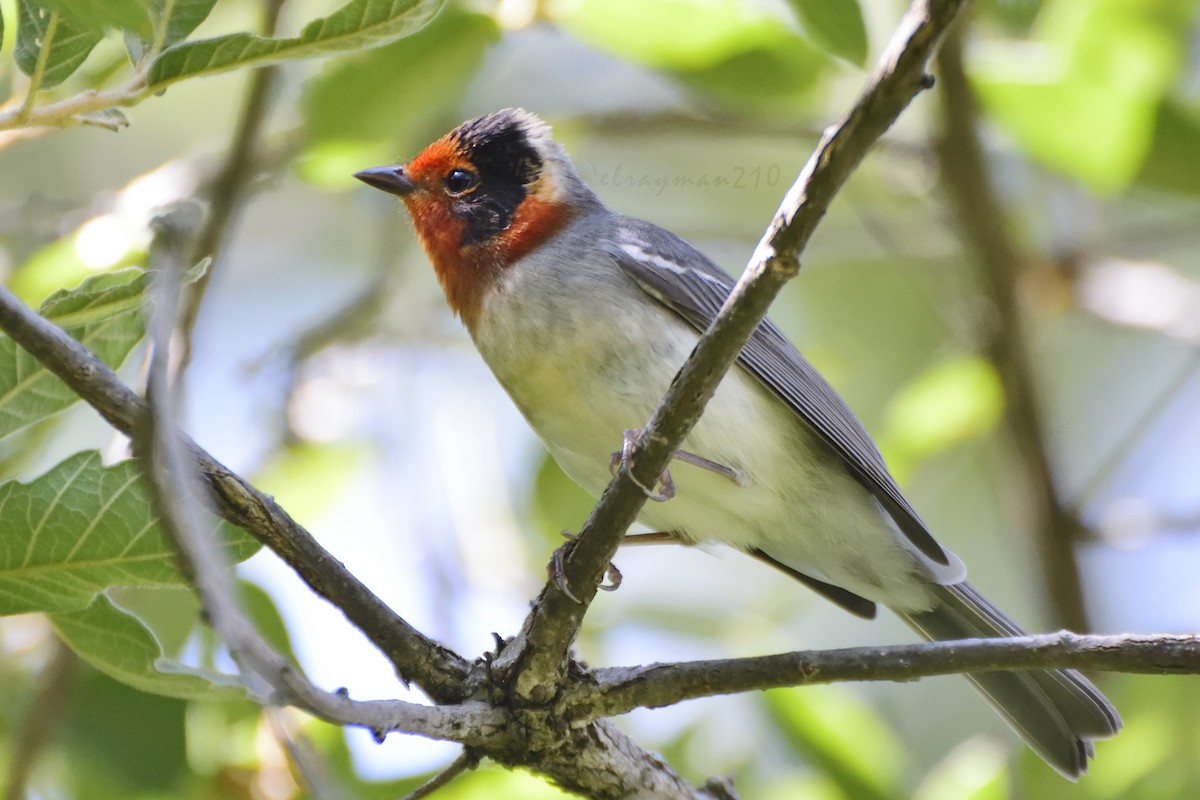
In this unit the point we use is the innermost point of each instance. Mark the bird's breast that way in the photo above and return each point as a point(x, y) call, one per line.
point(587, 357)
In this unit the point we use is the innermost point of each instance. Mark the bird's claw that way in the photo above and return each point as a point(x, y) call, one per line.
point(614, 578)
point(624, 457)
point(558, 570)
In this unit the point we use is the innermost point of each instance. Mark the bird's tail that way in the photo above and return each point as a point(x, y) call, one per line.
point(1057, 712)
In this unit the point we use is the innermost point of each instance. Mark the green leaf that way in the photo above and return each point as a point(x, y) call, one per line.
point(954, 400)
point(975, 770)
point(144, 758)
point(69, 44)
point(355, 26)
point(81, 528)
point(100, 15)
point(842, 737)
point(104, 313)
point(170, 612)
point(1082, 97)
point(1172, 163)
point(120, 646)
point(836, 26)
point(557, 503)
point(261, 610)
point(186, 16)
point(1015, 16)
point(348, 103)
point(307, 477)
point(725, 48)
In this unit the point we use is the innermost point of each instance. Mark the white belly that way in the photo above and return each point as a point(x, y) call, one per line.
point(580, 382)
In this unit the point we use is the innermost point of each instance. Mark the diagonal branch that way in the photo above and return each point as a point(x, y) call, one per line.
point(437, 670)
point(620, 689)
point(538, 657)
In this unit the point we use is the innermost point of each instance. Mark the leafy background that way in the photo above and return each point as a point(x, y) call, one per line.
point(325, 365)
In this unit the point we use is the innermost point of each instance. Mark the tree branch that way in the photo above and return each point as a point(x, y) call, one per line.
point(537, 659)
point(437, 670)
point(983, 219)
point(620, 689)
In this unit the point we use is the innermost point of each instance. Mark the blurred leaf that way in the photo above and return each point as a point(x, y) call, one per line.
point(170, 612)
point(836, 25)
point(260, 607)
point(1015, 15)
point(331, 164)
point(495, 783)
point(356, 26)
point(59, 264)
point(104, 313)
point(186, 16)
point(428, 72)
point(100, 15)
point(810, 786)
point(955, 400)
point(1156, 756)
point(81, 528)
point(221, 736)
point(121, 743)
point(306, 478)
point(975, 770)
point(557, 502)
point(1082, 97)
point(69, 44)
point(120, 646)
point(724, 48)
point(843, 738)
point(330, 741)
point(1172, 163)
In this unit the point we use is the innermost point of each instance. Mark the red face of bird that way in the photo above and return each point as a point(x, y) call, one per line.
point(480, 197)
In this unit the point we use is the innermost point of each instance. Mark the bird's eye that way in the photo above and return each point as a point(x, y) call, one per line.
point(460, 180)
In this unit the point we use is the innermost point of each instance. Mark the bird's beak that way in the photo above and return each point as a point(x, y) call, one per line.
point(393, 180)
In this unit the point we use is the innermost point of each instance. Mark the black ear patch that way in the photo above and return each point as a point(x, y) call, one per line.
point(498, 147)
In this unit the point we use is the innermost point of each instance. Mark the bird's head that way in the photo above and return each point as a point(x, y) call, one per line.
point(482, 196)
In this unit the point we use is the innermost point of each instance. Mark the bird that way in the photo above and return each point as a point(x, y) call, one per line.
point(584, 315)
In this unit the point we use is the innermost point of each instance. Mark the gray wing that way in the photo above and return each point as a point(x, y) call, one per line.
point(683, 279)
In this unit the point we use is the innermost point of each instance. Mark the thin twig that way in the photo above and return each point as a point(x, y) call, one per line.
point(538, 656)
point(312, 768)
point(67, 111)
point(227, 191)
point(466, 761)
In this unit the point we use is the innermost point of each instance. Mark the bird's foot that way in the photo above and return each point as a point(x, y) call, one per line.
point(622, 459)
point(711, 466)
point(653, 537)
point(557, 570)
